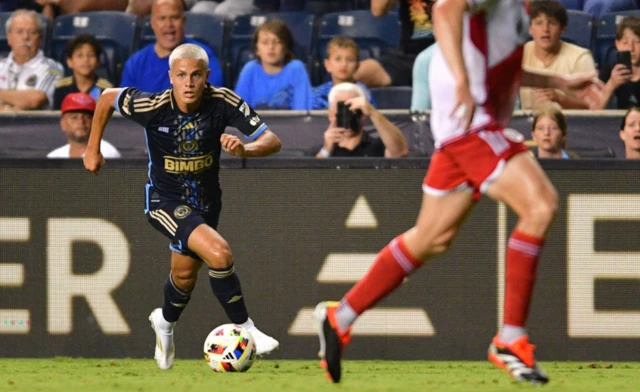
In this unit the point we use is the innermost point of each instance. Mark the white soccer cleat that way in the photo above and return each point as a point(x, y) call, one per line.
point(264, 344)
point(165, 350)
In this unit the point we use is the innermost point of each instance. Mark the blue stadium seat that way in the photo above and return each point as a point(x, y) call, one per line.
point(580, 29)
point(302, 26)
point(371, 33)
point(116, 31)
point(45, 30)
point(206, 28)
point(239, 49)
point(605, 48)
point(573, 4)
point(395, 97)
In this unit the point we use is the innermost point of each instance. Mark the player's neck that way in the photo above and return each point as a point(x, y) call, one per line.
point(188, 107)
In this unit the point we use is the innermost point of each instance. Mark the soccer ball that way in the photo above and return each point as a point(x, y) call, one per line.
point(229, 348)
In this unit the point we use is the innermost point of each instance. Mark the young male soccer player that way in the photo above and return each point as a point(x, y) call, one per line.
point(184, 126)
point(475, 154)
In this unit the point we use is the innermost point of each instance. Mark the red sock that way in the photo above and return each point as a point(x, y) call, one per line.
point(522, 261)
point(393, 264)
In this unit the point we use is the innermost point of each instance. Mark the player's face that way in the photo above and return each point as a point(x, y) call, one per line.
point(630, 42)
point(341, 63)
point(270, 48)
point(548, 137)
point(83, 60)
point(24, 37)
point(188, 78)
point(77, 126)
point(167, 22)
point(630, 135)
point(546, 32)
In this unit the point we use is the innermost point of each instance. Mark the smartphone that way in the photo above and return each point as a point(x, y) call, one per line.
point(624, 58)
point(347, 119)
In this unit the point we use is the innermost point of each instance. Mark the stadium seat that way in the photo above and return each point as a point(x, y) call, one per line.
point(116, 31)
point(45, 30)
point(605, 48)
point(573, 4)
point(395, 97)
point(206, 28)
point(238, 48)
point(580, 29)
point(372, 34)
point(302, 26)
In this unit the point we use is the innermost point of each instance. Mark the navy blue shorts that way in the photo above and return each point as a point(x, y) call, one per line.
point(177, 220)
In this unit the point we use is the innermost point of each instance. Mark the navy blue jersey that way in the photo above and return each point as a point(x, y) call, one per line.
point(184, 149)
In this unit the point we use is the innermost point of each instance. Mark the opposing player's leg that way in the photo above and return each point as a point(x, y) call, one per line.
point(214, 250)
point(524, 187)
point(177, 293)
point(439, 220)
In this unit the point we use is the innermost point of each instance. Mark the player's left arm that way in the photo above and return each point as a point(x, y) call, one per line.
point(240, 115)
point(265, 144)
point(585, 87)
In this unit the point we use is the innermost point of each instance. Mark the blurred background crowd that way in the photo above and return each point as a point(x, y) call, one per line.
point(289, 55)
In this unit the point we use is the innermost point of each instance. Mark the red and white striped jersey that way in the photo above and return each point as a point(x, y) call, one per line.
point(494, 32)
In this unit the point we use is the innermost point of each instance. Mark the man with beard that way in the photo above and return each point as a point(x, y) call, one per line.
point(77, 114)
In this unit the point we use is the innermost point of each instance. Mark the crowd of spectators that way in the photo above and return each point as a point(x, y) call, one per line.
point(275, 80)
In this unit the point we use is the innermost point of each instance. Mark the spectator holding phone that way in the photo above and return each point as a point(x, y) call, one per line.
point(623, 78)
point(346, 137)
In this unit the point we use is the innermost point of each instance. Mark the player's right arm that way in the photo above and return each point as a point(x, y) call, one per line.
point(93, 159)
point(448, 24)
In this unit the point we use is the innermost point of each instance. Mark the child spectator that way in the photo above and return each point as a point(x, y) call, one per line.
point(274, 80)
point(550, 134)
point(83, 58)
point(621, 82)
point(343, 57)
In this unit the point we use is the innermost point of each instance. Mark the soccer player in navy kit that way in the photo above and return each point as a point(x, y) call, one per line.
point(185, 127)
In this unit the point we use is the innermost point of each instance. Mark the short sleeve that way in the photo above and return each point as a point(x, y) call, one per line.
point(240, 115)
point(140, 106)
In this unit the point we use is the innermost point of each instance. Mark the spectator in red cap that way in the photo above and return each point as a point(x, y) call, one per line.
point(77, 114)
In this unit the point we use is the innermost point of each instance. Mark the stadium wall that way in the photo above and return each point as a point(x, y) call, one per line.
point(80, 268)
point(34, 134)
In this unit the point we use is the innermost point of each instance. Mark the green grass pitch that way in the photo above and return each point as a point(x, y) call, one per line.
point(78, 374)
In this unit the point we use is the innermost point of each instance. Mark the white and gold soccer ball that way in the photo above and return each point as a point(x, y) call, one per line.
point(229, 348)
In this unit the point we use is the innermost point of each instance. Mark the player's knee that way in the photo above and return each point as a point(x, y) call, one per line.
point(219, 254)
point(542, 212)
point(185, 279)
point(546, 208)
point(432, 246)
point(442, 244)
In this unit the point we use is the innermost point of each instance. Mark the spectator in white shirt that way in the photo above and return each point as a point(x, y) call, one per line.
point(27, 77)
point(77, 114)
